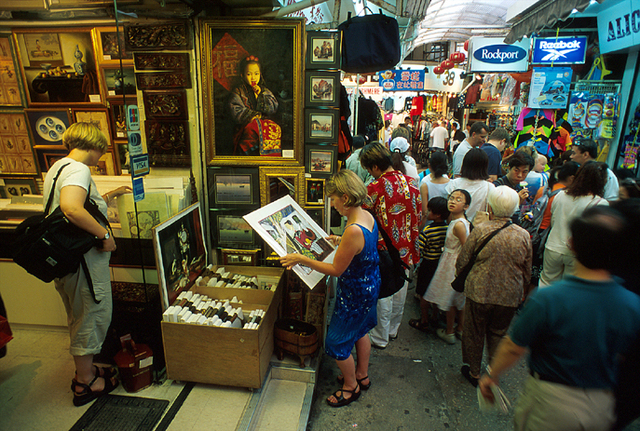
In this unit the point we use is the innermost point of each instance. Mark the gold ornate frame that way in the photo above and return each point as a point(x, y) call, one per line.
point(296, 173)
point(253, 35)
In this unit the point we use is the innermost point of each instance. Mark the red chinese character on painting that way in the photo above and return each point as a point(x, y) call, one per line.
point(224, 60)
point(405, 76)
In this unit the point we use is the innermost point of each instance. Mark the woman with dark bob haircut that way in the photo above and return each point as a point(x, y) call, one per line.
point(474, 175)
point(585, 191)
point(356, 266)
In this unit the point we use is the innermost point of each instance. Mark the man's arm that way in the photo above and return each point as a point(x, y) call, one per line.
point(507, 354)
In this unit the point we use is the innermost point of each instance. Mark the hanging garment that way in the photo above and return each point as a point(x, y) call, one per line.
point(536, 126)
point(417, 106)
point(369, 119)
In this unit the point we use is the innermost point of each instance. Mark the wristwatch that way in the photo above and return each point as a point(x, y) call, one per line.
point(106, 236)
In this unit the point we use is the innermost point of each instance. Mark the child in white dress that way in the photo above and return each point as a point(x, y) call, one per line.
point(440, 291)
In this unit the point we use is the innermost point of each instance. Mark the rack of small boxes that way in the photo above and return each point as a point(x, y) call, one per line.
point(221, 330)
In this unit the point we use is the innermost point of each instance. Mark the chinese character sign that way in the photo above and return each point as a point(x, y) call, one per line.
point(402, 80)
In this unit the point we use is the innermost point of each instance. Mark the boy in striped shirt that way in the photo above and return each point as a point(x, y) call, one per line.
point(431, 243)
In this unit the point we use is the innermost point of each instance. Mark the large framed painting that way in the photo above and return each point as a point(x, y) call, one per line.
point(180, 251)
point(47, 126)
point(323, 50)
point(278, 182)
point(233, 187)
point(10, 86)
point(58, 67)
point(286, 228)
point(242, 58)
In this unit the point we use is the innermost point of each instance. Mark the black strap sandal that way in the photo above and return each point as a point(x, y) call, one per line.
point(362, 385)
point(87, 395)
point(342, 401)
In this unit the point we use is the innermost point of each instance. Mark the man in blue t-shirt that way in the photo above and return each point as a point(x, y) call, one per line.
point(575, 331)
point(495, 145)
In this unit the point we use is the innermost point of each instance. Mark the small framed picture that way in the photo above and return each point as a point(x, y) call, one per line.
point(317, 214)
point(230, 187)
point(239, 257)
point(118, 119)
point(18, 187)
point(122, 151)
point(47, 157)
point(321, 160)
point(110, 50)
point(116, 81)
point(323, 50)
point(106, 164)
point(321, 125)
point(229, 229)
point(322, 88)
point(99, 117)
point(47, 126)
point(315, 192)
point(165, 104)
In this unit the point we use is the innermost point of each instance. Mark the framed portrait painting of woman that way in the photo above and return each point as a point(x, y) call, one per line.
point(252, 91)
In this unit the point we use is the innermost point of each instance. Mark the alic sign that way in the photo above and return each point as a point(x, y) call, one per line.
point(619, 26)
point(491, 54)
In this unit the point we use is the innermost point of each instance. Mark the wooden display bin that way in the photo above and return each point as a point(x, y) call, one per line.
point(226, 356)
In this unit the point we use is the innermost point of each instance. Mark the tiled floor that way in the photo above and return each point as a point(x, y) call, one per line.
point(35, 391)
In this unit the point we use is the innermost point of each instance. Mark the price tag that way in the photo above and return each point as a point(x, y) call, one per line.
point(139, 165)
point(138, 189)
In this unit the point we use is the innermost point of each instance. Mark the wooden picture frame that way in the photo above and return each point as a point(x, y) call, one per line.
point(175, 61)
point(171, 36)
point(122, 157)
point(108, 52)
point(235, 187)
point(168, 143)
point(16, 151)
point(11, 94)
point(114, 82)
point(229, 229)
point(47, 157)
point(321, 125)
point(64, 4)
point(163, 80)
point(99, 117)
point(275, 44)
point(47, 126)
point(323, 50)
point(117, 117)
point(321, 161)
point(314, 192)
point(18, 187)
point(165, 104)
point(322, 89)
point(54, 64)
point(107, 164)
point(239, 257)
point(272, 186)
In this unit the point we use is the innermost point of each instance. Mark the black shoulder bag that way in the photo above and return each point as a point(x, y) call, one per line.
point(50, 246)
point(392, 268)
point(461, 278)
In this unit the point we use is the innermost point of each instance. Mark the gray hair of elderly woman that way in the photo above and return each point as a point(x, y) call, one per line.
point(503, 201)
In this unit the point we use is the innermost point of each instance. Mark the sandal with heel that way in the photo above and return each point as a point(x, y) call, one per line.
point(342, 401)
point(87, 395)
point(362, 385)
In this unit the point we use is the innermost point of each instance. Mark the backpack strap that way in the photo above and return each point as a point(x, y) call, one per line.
point(393, 251)
point(53, 189)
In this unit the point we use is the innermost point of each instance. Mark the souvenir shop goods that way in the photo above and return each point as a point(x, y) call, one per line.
point(220, 355)
point(51, 246)
point(370, 43)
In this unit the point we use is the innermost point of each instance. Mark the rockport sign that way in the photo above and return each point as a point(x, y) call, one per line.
point(491, 54)
point(619, 26)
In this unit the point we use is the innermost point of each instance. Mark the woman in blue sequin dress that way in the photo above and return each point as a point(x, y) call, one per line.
point(356, 266)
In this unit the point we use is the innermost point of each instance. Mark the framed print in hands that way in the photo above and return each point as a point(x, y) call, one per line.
point(233, 187)
point(323, 50)
point(240, 57)
point(286, 228)
point(322, 88)
point(321, 125)
point(321, 160)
